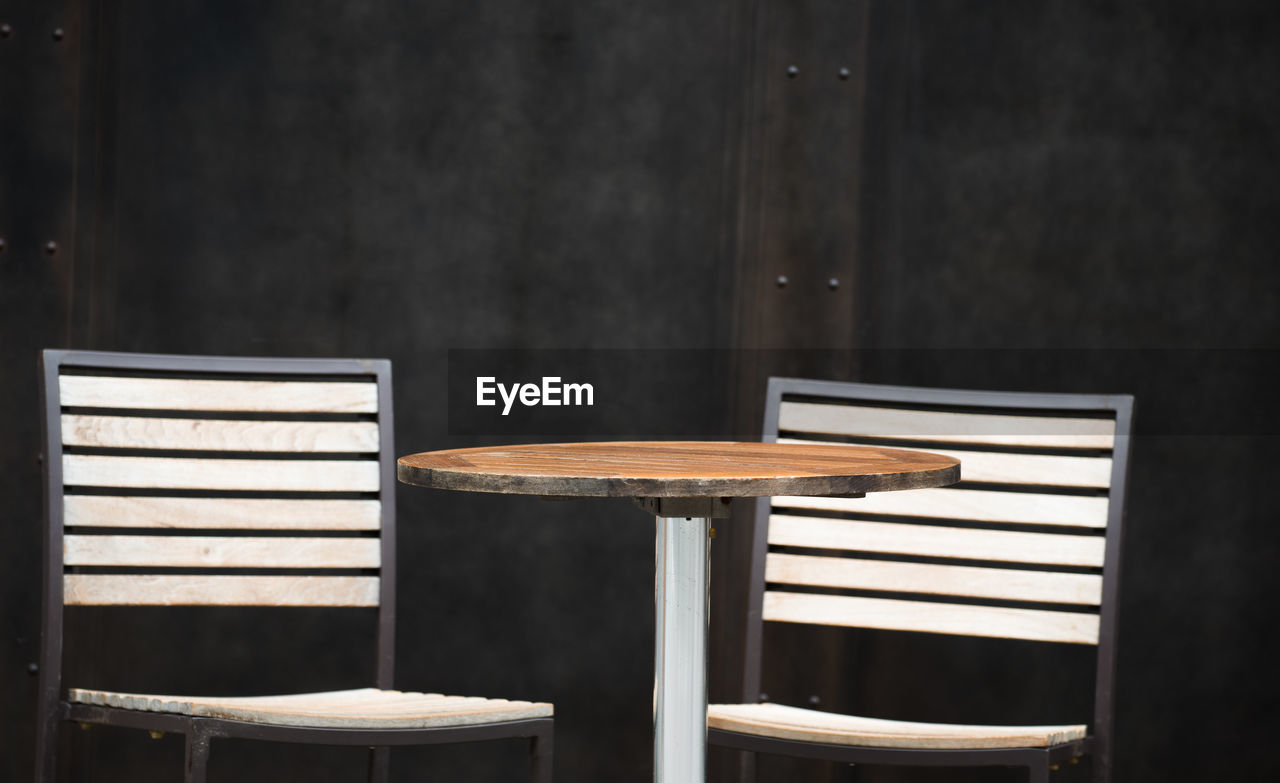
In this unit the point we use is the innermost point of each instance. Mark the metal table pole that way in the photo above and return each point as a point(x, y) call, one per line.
point(681, 608)
point(680, 650)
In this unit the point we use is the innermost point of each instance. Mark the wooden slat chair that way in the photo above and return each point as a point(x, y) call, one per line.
point(171, 480)
point(1043, 479)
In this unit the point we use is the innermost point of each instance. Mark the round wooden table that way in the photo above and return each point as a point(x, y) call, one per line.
point(684, 484)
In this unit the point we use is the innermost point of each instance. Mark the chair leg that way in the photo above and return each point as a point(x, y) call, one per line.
point(47, 750)
point(1100, 767)
point(1039, 771)
point(541, 751)
point(197, 754)
point(379, 764)
point(747, 766)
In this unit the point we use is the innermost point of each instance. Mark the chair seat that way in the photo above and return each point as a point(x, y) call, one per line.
point(795, 723)
point(367, 708)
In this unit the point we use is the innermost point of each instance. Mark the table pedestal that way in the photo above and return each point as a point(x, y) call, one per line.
point(680, 649)
point(681, 610)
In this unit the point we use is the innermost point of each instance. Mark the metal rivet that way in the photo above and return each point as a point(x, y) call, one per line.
point(792, 71)
point(833, 284)
point(782, 281)
point(764, 697)
point(33, 668)
point(814, 701)
point(843, 73)
point(50, 247)
point(58, 34)
point(6, 30)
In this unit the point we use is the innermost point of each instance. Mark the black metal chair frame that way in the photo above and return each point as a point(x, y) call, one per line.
point(54, 710)
point(1098, 745)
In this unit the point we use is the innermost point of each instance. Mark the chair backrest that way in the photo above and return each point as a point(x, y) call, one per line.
point(1026, 546)
point(203, 481)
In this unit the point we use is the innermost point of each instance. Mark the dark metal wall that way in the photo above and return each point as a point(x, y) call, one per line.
point(377, 180)
point(1091, 182)
point(39, 279)
point(399, 179)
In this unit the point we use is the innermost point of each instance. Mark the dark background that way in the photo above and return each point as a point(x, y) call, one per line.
point(399, 179)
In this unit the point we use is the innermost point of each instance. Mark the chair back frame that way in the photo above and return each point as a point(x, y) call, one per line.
point(52, 362)
point(1119, 406)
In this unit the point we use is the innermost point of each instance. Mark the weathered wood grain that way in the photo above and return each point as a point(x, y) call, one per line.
point(970, 581)
point(137, 432)
point(181, 394)
point(220, 551)
point(219, 590)
point(936, 541)
point(220, 513)
point(896, 615)
point(947, 426)
point(93, 470)
point(1030, 508)
point(1016, 468)
point(677, 469)
point(366, 708)
point(796, 723)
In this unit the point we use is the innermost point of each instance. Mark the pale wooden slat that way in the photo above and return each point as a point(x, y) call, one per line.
point(1041, 431)
point(184, 590)
point(92, 470)
point(227, 552)
point(221, 513)
point(965, 620)
point(361, 708)
point(970, 581)
point(980, 505)
point(129, 432)
point(796, 723)
point(205, 395)
point(1007, 468)
point(934, 541)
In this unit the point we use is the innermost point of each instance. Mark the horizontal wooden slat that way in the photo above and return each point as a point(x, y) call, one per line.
point(1029, 508)
point(970, 581)
point(184, 590)
point(92, 470)
point(1041, 431)
point(129, 432)
point(365, 708)
point(221, 513)
point(796, 723)
point(219, 551)
point(965, 620)
point(933, 541)
point(1008, 468)
point(205, 395)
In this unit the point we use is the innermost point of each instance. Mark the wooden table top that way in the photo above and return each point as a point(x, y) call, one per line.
point(677, 469)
